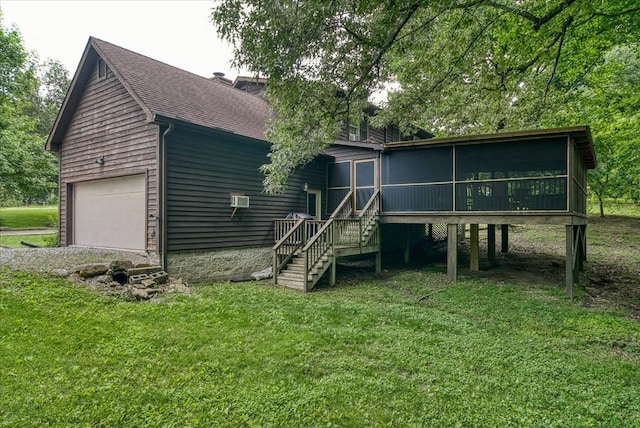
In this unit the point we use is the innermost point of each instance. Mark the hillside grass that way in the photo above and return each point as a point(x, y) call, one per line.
point(15, 241)
point(473, 353)
point(29, 217)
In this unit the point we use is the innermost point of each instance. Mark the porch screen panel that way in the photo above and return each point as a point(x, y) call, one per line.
point(512, 176)
point(365, 182)
point(518, 159)
point(418, 180)
point(338, 183)
point(429, 197)
point(548, 194)
point(425, 165)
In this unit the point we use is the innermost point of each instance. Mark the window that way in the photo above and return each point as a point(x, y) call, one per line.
point(358, 131)
point(364, 130)
point(354, 132)
point(102, 69)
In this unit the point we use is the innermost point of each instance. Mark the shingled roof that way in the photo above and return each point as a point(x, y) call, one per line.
point(167, 92)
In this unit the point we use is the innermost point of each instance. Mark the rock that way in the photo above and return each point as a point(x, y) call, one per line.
point(117, 265)
point(104, 279)
point(91, 270)
point(114, 284)
point(148, 282)
point(60, 272)
point(131, 293)
point(177, 286)
point(142, 265)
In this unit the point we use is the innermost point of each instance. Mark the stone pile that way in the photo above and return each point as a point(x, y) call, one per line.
point(140, 281)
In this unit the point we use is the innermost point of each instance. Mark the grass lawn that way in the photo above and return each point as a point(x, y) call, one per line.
point(476, 353)
point(13, 241)
point(501, 347)
point(29, 217)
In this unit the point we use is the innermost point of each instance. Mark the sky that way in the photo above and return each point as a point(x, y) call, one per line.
point(178, 33)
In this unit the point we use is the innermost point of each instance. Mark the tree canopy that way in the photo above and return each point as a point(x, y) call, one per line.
point(30, 95)
point(451, 67)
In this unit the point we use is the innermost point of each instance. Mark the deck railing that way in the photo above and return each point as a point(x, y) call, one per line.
point(287, 246)
point(314, 239)
point(345, 207)
point(369, 216)
point(317, 248)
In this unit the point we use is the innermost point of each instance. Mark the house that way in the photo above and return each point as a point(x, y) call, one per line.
point(154, 158)
point(157, 159)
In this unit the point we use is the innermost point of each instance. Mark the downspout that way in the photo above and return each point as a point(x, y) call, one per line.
point(162, 195)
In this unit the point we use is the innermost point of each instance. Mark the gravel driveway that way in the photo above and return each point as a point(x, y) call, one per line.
point(48, 259)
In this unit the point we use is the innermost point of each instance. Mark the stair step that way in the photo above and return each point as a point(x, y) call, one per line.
point(297, 284)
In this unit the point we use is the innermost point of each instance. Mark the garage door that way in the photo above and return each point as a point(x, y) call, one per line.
point(110, 213)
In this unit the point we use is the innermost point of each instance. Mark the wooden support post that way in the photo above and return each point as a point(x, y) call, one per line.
point(491, 243)
point(379, 262)
point(569, 261)
point(452, 252)
point(407, 245)
point(474, 248)
point(332, 274)
point(576, 254)
point(505, 238)
point(584, 235)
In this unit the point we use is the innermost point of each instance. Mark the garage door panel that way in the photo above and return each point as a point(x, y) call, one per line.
point(110, 213)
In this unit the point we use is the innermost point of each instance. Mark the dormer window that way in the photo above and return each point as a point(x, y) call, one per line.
point(354, 132)
point(358, 131)
point(102, 69)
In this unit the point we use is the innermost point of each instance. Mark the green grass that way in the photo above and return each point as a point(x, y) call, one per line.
point(29, 217)
point(612, 207)
point(14, 241)
point(473, 354)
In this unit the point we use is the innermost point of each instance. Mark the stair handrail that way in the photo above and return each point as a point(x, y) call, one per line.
point(316, 247)
point(365, 212)
point(369, 213)
point(277, 264)
point(345, 207)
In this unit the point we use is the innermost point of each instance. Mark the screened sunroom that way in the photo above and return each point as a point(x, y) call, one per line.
point(532, 172)
point(529, 177)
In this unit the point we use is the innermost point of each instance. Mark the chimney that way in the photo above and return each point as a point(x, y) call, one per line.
point(218, 76)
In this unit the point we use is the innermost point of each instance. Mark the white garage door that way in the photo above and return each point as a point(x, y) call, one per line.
point(110, 213)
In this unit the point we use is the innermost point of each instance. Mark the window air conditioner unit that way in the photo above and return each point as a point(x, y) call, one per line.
point(238, 201)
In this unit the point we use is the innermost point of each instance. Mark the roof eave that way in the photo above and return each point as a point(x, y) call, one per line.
point(580, 134)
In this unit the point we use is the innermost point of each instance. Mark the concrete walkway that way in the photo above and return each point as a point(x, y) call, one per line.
point(14, 232)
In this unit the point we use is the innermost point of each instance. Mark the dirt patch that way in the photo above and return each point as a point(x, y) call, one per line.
point(536, 258)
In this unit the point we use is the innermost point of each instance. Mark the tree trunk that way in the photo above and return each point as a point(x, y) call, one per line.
point(601, 207)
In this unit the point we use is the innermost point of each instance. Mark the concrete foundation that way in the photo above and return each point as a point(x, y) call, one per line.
point(215, 265)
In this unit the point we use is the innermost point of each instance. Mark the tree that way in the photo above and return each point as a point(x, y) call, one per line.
point(27, 109)
point(53, 82)
point(455, 66)
point(609, 99)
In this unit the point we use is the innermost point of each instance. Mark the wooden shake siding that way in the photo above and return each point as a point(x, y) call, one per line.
point(374, 134)
point(108, 122)
point(204, 169)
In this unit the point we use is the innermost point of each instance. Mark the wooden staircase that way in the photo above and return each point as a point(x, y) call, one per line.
point(306, 250)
